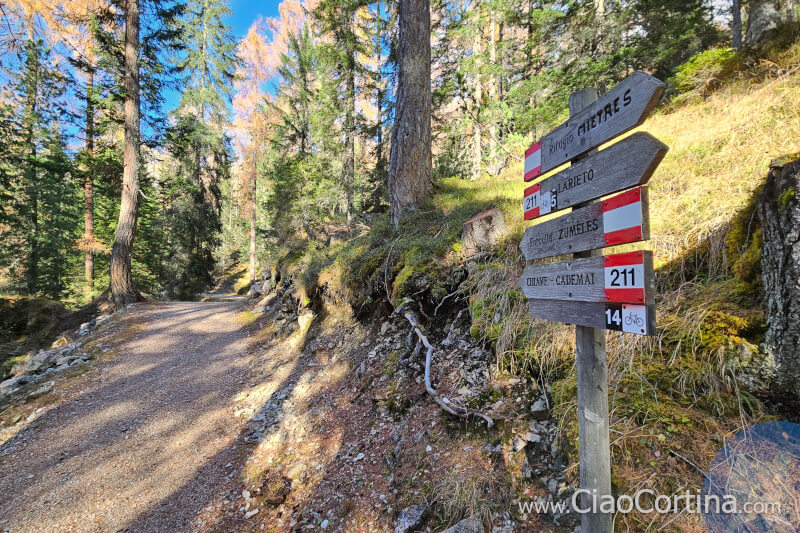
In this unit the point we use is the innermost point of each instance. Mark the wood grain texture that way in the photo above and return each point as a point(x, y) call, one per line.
point(626, 164)
point(578, 280)
point(582, 229)
point(622, 108)
point(588, 314)
point(594, 445)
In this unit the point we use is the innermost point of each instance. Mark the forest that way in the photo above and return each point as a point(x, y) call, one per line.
point(152, 130)
point(260, 264)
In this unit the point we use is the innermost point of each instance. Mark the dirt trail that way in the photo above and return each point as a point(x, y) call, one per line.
point(146, 440)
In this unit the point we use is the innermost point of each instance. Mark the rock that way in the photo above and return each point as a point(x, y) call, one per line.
point(531, 437)
point(763, 17)
point(41, 391)
point(250, 514)
point(324, 524)
point(264, 304)
point(483, 231)
point(527, 471)
point(468, 525)
point(488, 448)
point(255, 290)
point(539, 409)
point(66, 360)
point(10, 385)
point(358, 457)
point(410, 517)
point(38, 362)
point(246, 494)
point(518, 443)
point(304, 320)
point(779, 213)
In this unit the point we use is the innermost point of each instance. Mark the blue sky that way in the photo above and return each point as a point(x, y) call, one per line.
point(246, 11)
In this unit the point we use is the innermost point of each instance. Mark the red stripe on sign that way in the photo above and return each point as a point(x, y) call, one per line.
point(535, 147)
point(532, 189)
point(533, 213)
point(631, 258)
point(625, 295)
point(533, 173)
point(623, 236)
point(625, 198)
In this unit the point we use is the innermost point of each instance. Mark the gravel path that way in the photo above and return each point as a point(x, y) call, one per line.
point(144, 442)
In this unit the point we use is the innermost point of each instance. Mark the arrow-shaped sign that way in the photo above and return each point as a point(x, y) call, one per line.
point(621, 219)
point(628, 318)
point(621, 166)
point(620, 278)
point(622, 108)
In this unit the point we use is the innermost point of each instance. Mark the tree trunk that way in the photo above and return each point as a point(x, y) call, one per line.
point(736, 24)
point(253, 192)
point(779, 212)
point(348, 165)
point(122, 291)
point(31, 175)
point(88, 185)
point(493, 163)
point(410, 172)
point(477, 153)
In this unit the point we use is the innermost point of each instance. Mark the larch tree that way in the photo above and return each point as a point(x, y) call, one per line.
point(410, 172)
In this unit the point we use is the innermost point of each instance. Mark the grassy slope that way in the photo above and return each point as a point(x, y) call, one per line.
point(680, 394)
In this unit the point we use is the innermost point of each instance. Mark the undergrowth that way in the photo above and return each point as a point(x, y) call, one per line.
point(676, 397)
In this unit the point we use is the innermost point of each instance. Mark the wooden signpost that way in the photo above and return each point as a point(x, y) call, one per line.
point(621, 109)
point(619, 220)
point(608, 278)
point(595, 292)
point(627, 164)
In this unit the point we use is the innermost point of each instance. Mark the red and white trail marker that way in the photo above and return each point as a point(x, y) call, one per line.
point(624, 277)
point(533, 161)
point(621, 219)
point(618, 278)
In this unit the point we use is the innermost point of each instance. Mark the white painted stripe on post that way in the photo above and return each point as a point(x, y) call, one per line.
point(532, 161)
point(624, 277)
point(627, 216)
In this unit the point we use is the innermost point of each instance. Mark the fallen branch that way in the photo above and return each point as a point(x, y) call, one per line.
point(443, 402)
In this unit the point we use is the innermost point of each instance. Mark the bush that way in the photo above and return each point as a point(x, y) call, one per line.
point(705, 71)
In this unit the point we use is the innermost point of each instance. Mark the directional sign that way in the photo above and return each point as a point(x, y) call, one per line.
point(626, 164)
point(628, 318)
point(622, 108)
point(619, 278)
point(619, 220)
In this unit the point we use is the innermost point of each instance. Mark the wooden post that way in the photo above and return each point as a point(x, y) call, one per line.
point(593, 441)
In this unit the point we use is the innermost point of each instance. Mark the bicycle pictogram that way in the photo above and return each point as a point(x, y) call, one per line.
point(634, 319)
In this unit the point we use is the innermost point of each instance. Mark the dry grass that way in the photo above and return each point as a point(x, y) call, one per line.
point(467, 489)
point(719, 153)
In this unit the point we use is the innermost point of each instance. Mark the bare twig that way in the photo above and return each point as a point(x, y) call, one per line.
point(448, 340)
point(685, 460)
point(442, 401)
point(445, 299)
